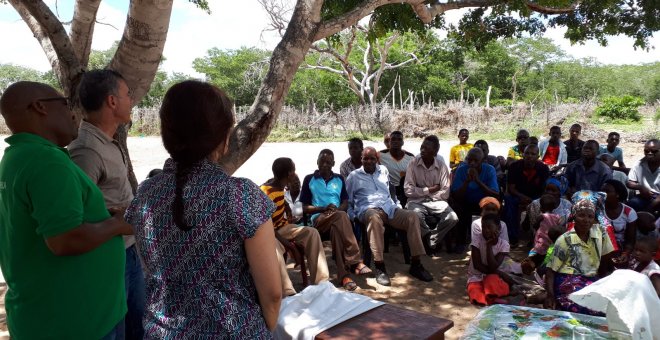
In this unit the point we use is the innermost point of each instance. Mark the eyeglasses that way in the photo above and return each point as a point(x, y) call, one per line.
point(651, 151)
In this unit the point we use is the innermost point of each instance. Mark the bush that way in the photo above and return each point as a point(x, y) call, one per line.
point(501, 102)
point(656, 117)
point(620, 108)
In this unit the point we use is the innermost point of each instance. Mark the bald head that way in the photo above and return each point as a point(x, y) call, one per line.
point(369, 150)
point(370, 159)
point(17, 98)
point(38, 109)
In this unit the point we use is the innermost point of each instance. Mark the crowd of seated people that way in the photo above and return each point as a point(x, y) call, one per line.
point(535, 188)
point(210, 262)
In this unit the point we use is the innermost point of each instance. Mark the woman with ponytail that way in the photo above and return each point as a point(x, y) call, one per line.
point(206, 238)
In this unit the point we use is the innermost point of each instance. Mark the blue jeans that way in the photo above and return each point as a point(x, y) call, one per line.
point(117, 333)
point(135, 294)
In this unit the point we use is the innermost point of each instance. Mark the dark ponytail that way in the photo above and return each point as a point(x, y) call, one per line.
point(196, 118)
point(181, 177)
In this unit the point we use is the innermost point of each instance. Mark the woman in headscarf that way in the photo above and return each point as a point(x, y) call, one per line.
point(577, 259)
point(597, 198)
point(556, 188)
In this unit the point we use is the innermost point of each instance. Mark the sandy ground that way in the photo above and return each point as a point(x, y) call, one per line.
point(444, 297)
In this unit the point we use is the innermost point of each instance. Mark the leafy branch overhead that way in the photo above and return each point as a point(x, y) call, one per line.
point(492, 19)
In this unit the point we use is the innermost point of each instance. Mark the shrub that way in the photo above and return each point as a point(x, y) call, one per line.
point(656, 117)
point(501, 102)
point(620, 108)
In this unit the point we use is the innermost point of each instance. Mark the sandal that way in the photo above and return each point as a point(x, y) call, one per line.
point(348, 284)
point(364, 270)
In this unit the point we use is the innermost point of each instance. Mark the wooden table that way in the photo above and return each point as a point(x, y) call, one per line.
point(389, 322)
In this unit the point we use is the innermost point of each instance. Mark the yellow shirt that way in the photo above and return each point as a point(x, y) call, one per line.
point(575, 257)
point(458, 152)
point(277, 196)
point(515, 153)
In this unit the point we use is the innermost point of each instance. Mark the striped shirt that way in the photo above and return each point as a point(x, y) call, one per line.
point(277, 196)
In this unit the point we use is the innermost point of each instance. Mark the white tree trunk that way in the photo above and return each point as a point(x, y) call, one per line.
point(140, 49)
point(488, 97)
point(82, 28)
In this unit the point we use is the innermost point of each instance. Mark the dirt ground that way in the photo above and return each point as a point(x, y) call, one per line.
point(444, 297)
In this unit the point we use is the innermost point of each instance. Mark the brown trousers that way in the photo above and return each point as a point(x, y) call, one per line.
point(314, 253)
point(406, 220)
point(344, 244)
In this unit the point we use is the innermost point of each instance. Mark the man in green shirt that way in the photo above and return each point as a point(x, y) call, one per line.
point(60, 249)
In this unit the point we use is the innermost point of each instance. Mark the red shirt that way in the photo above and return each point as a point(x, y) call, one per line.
point(551, 155)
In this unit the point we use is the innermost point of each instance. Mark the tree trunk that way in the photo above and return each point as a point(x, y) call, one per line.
point(488, 97)
point(140, 49)
point(252, 131)
point(137, 58)
point(82, 28)
point(52, 37)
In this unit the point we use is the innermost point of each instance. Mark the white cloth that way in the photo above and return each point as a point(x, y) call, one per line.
point(629, 301)
point(318, 308)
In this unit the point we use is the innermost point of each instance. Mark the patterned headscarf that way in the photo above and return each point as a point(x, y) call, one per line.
point(583, 205)
point(597, 200)
point(560, 183)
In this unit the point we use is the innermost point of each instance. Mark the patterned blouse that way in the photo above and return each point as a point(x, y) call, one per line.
point(573, 256)
point(198, 281)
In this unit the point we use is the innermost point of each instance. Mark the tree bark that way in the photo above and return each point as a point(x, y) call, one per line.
point(82, 28)
point(138, 55)
point(140, 49)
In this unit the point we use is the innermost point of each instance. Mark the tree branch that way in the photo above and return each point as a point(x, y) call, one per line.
point(324, 68)
point(50, 33)
point(426, 13)
point(277, 12)
point(82, 28)
point(350, 18)
point(552, 10)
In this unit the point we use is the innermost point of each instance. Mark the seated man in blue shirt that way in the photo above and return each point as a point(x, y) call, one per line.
point(369, 200)
point(473, 181)
point(323, 195)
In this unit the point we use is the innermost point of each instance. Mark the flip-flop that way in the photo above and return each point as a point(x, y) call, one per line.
point(348, 284)
point(364, 270)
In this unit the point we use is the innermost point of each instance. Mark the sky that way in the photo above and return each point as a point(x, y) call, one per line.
point(232, 24)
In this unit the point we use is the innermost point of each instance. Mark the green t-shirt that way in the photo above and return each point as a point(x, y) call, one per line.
point(43, 194)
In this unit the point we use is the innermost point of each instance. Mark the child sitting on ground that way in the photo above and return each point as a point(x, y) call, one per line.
point(542, 239)
point(648, 226)
point(642, 260)
point(488, 205)
point(486, 283)
point(538, 261)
